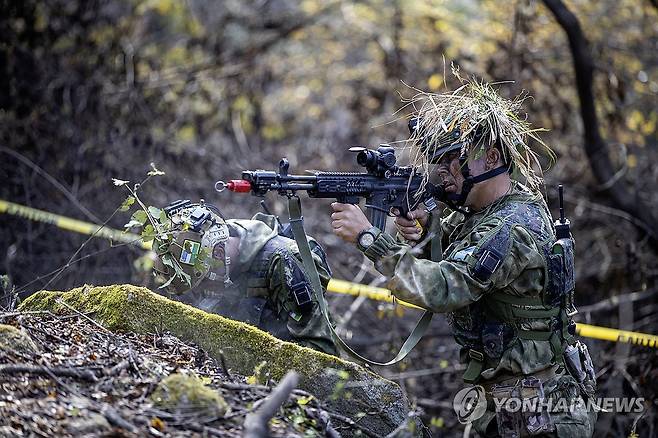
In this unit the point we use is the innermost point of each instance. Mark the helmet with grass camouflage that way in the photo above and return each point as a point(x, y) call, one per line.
point(470, 119)
point(191, 246)
point(466, 122)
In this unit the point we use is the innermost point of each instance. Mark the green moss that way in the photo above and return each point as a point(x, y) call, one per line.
point(181, 394)
point(131, 308)
point(13, 339)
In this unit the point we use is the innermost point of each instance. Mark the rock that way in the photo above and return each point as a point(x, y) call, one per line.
point(13, 339)
point(183, 394)
point(342, 386)
point(91, 423)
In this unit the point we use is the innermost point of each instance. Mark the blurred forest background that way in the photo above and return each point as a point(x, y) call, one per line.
point(94, 90)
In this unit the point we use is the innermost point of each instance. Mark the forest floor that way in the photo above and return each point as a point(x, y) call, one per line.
point(87, 381)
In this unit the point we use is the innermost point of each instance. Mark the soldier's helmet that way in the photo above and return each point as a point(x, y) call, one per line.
point(192, 247)
point(470, 119)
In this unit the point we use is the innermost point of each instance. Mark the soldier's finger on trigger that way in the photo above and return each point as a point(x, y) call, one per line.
point(402, 222)
point(416, 214)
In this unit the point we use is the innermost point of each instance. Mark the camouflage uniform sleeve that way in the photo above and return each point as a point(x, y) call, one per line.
point(439, 227)
point(455, 281)
point(306, 326)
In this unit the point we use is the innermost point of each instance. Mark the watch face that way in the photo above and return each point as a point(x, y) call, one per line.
point(366, 240)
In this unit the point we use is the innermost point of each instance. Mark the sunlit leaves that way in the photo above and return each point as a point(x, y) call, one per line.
point(125, 206)
point(435, 81)
point(155, 171)
point(185, 134)
point(119, 182)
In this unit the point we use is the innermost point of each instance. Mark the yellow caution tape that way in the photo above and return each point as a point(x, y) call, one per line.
point(616, 335)
point(335, 285)
point(69, 224)
point(372, 292)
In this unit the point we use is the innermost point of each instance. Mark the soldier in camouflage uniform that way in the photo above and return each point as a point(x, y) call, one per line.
point(244, 270)
point(493, 265)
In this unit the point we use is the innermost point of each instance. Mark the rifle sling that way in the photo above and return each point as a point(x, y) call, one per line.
point(297, 225)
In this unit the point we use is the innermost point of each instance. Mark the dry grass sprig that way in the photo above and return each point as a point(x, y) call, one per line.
point(483, 118)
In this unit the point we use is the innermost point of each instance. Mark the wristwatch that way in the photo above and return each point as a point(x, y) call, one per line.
point(367, 237)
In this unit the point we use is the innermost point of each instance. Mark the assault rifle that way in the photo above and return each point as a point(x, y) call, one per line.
point(384, 185)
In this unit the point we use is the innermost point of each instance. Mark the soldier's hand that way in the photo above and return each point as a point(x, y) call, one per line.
point(348, 221)
point(412, 227)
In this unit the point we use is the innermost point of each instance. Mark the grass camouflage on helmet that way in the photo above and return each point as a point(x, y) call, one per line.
point(470, 119)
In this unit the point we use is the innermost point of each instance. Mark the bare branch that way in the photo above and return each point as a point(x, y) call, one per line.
point(255, 424)
point(595, 146)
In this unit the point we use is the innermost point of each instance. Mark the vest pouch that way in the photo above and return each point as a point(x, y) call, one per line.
point(508, 415)
point(573, 363)
point(520, 409)
point(536, 417)
point(561, 279)
point(588, 385)
point(496, 337)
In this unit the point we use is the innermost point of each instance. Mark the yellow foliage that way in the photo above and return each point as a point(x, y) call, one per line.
point(186, 134)
point(241, 103)
point(631, 160)
point(365, 12)
point(273, 132)
point(41, 18)
point(649, 126)
point(435, 81)
point(437, 422)
point(310, 6)
point(441, 26)
point(634, 120)
point(176, 55)
point(164, 6)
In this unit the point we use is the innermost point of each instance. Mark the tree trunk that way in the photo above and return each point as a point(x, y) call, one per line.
point(596, 148)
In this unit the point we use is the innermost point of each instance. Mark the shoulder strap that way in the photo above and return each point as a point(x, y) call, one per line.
point(297, 225)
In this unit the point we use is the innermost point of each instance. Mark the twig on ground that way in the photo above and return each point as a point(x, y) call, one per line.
point(255, 425)
point(117, 420)
point(77, 312)
point(353, 424)
point(325, 420)
point(77, 373)
point(116, 369)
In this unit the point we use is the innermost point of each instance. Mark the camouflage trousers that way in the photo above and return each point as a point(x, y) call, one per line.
point(569, 417)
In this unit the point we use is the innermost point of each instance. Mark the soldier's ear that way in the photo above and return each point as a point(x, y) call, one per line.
point(494, 158)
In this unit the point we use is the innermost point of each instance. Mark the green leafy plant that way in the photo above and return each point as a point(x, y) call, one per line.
point(157, 227)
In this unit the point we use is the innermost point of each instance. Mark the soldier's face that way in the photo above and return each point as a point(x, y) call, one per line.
point(230, 249)
point(448, 173)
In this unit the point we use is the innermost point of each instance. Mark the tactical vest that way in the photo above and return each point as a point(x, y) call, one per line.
point(248, 298)
point(491, 325)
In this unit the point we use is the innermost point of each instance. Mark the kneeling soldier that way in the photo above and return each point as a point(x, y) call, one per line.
point(241, 269)
point(495, 265)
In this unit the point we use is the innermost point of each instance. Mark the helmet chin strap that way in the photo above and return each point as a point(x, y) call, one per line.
point(456, 200)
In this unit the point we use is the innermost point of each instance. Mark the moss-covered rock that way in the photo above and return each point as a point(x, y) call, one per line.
point(345, 386)
point(183, 394)
point(13, 339)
